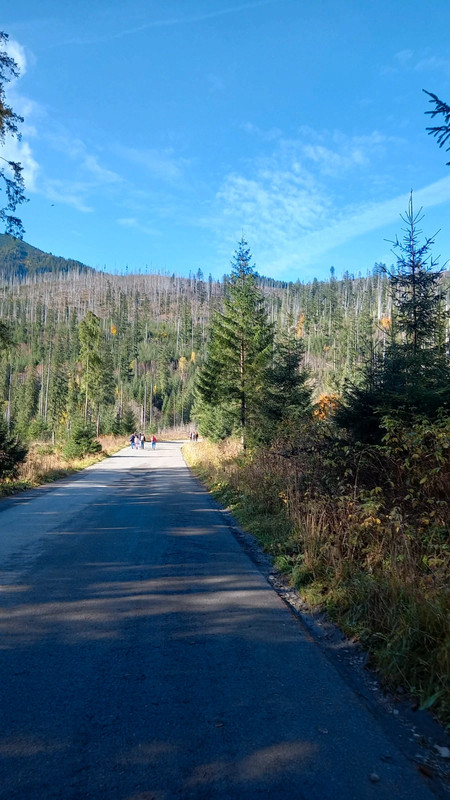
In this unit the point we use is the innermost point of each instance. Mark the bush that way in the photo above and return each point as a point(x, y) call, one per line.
point(39, 430)
point(82, 441)
point(362, 530)
point(127, 424)
point(12, 452)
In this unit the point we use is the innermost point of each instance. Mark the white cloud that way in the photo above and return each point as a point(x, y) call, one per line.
point(160, 164)
point(285, 202)
point(14, 149)
point(102, 174)
point(433, 63)
point(433, 195)
point(134, 224)
point(284, 194)
point(266, 135)
point(85, 161)
point(17, 53)
point(172, 22)
point(21, 152)
point(353, 224)
point(425, 61)
point(69, 193)
point(404, 58)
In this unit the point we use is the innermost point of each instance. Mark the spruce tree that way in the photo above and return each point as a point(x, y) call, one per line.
point(59, 386)
point(10, 171)
point(415, 287)
point(90, 355)
point(440, 132)
point(288, 398)
point(412, 376)
point(240, 349)
point(12, 452)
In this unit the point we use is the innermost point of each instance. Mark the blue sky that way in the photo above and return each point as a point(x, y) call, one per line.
point(157, 133)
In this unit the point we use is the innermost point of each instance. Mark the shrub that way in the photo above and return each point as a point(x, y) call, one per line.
point(12, 452)
point(81, 441)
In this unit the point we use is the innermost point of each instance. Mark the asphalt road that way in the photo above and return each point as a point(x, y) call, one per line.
point(143, 656)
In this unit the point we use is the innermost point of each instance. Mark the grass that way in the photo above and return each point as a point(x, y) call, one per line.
point(45, 463)
point(399, 611)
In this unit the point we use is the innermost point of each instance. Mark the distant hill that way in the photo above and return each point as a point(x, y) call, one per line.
point(21, 260)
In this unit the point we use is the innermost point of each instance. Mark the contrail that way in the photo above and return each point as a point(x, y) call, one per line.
point(165, 23)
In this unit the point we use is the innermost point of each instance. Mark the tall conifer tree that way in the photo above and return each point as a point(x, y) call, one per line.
point(240, 348)
point(412, 376)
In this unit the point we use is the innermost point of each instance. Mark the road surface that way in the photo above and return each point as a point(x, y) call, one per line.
point(144, 656)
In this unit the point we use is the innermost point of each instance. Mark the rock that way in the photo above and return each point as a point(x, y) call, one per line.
point(374, 778)
point(444, 752)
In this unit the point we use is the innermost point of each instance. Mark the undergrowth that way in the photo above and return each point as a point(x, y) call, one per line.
point(364, 534)
point(46, 463)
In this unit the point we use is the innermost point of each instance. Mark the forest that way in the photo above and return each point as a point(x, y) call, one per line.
point(323, 408)
point(123, 350)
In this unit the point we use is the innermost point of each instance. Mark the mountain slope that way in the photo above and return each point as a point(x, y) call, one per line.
point(21, 260)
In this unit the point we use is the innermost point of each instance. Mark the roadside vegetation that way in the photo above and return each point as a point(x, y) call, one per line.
point(350, 493)
point(361, 533)
point(44, 463)
point(325, 409)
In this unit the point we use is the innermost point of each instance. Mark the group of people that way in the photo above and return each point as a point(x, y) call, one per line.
point(193, 435)
point(137, 441)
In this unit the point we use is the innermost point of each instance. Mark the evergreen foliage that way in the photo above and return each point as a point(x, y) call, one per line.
point(411, 376)
point(288, 391)
point(127, 424)
point(153, 337)
point(11, 171)
point(440, 132)
point(81, 441)
point(12, 452)
point(21, 260)
point(239, 350)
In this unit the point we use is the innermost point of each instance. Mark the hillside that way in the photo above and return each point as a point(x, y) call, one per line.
point(154, 329)
point(20, 260)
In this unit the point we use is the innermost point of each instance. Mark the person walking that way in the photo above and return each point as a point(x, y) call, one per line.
point(142, 441)
point(132, 438)
point(153, 442)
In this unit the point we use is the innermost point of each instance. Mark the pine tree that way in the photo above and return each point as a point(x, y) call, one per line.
point(240, 348)
point(102, 387)
point(59, 386)
point(26, 402)
point(415, 284)
point(412, 376)
point(5, 336)
point(440, 132)
point(90, 336)
point(128, 422)
point(10, 171)
point(288, 396)
point(12, 452)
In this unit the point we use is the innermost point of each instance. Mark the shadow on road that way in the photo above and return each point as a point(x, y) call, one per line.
point(143, 656)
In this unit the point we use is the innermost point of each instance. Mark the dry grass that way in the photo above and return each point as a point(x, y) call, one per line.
point(216, 464)
point(45, 463)
point(179, 434)
point(382, 578)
